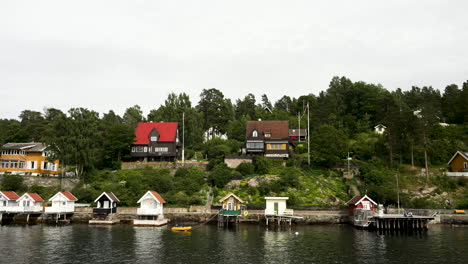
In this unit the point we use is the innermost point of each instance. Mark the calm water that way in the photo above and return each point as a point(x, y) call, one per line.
point(244, 244)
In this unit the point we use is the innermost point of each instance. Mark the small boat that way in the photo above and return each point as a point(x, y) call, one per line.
point(181, 228)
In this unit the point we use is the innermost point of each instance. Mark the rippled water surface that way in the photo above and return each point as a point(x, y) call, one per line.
point(244, 244)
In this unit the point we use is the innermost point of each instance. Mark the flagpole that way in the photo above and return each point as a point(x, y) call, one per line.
point(183, 137)
point(308, 135)
point(299, 120)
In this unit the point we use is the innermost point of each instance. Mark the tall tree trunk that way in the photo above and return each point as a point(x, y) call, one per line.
point(425, 158)
point(412, 154)
point(390, 145)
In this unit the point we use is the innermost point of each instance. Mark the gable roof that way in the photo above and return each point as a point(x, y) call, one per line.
point(67, 195)
point(277, 128)
point(229, 195)
point(167, 132)
point(28, 147)
point(34, 196)
point(358, 198)
point(464, 154)
point(10, 195)
point(294, 132)
point(109, 195)
point(153, 194)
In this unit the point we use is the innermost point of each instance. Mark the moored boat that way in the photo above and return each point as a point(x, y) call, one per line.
point(181, 228)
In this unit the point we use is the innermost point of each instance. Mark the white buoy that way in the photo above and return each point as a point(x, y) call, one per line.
point(297, 233)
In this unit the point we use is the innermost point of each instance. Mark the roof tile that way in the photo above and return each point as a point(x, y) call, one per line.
point(167, 132)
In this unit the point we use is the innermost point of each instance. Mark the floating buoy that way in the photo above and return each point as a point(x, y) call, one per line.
point(246, 213)
point(297, 233)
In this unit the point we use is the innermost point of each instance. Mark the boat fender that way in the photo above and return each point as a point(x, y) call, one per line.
point(246, 213)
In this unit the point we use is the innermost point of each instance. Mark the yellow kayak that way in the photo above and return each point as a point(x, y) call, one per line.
point(181, 228)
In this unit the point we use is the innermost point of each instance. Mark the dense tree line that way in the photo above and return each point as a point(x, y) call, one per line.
point(342, 120)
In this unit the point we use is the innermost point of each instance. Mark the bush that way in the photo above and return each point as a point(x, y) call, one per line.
point(219, 176)
point(262, 165)
point(13, 182)
point(246, 169)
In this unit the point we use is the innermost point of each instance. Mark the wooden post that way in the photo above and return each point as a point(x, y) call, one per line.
point(27, 219)
point(1, 216)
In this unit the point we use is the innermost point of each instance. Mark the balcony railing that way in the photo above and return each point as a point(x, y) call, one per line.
point(457, 174)
point(230, 212)
point(149, 211)
point(60, 209)
point(104, 211)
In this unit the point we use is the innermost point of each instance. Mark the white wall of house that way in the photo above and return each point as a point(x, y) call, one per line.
point(150, 206)
point(59, 203)
point(26, 204)
point(270, 205)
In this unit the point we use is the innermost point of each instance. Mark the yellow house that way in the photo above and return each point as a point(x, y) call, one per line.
point(231, 203)
point(27, 159)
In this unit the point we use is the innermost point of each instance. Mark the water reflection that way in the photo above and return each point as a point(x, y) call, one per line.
point(244, 244)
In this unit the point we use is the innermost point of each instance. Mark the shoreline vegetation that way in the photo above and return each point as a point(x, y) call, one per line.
point(405, 165)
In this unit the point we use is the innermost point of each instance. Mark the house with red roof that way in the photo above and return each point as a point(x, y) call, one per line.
point(360, 202)
point(151, 210)
point(61, 202)
point(8, 201)
point(155, 141)
point(268, 138)
point(30, 202)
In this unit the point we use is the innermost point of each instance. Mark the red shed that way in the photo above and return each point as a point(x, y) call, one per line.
point(362, 202)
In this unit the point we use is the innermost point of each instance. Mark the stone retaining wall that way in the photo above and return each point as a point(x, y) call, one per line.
point(67, 183)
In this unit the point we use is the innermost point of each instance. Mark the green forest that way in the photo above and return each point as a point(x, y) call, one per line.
point(424, 129)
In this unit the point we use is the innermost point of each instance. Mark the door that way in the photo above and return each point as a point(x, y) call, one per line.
point(275, 206)
point(106, 204)
point(230, 206)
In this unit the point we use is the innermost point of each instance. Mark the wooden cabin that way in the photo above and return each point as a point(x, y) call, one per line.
point(231, 203)
point(277, 206)
point(30, 202)
point(8, 201)
point(106, 204)
point(151, 203)
point(458, 164)
point(62, 202)
point(361, 202)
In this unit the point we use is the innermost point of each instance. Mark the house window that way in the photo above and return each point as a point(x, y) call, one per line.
point(254, 133)
point(267, 134)
point(254, 145)
point(154, 138)
point(5, 164)
point(33, 165)
point(276, 146)
point(14, 164)
point(4, 203)
point(22, 164)
point(145, 149)
point(465, 165)
point(161, 149)
point(64, 203)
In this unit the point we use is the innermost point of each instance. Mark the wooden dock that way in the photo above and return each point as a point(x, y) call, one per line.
point(368, 219)
point(280, 219)
point(399, 222)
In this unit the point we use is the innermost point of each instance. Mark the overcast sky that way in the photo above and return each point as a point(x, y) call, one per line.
point(113, 54)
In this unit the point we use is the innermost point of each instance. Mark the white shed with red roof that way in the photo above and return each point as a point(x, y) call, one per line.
point(150, 212)
point(30, 202)
point(62, 202)
point(8, 201)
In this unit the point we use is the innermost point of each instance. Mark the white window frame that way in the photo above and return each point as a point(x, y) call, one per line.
point(255, 133)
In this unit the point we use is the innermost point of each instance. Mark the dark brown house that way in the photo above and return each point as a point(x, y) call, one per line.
point(156, 141)
point(269, 138)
